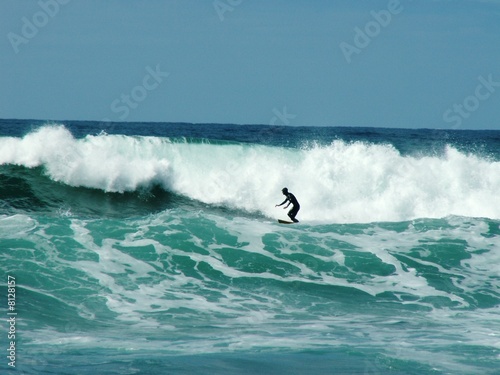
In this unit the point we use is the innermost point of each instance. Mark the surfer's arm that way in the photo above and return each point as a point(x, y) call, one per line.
point(282, 203)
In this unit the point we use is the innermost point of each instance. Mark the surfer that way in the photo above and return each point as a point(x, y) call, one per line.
point(290, 198)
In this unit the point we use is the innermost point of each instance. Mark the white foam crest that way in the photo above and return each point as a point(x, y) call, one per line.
point(109, 162)
point(346, 182)
point(341, 182)
point(360, 182)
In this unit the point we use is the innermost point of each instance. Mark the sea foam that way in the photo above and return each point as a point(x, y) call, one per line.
point(339, 182)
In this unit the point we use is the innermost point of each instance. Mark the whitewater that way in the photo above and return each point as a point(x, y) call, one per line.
point(341, 182)
point(155, 248)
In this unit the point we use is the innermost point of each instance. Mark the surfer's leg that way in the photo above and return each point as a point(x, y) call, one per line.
point(292, 213)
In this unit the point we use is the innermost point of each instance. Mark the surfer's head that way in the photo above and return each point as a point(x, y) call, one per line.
point(284, 191)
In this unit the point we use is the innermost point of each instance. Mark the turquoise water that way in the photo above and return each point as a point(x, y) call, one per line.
point(137, 253)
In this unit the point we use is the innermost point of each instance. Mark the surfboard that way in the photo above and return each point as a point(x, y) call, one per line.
point(285, 222)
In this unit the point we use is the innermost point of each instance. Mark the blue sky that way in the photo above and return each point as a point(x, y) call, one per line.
point(420, 63)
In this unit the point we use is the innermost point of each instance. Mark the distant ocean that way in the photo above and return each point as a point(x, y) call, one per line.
point(154, 248)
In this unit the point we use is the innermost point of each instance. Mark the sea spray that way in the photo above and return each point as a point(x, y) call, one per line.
point(338, 182)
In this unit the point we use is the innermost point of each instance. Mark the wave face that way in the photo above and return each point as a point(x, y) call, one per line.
point(339, 182)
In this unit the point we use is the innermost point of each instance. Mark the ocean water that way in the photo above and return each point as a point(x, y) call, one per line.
point(155, 249)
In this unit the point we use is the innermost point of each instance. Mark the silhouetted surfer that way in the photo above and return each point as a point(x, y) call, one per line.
point(290, 198)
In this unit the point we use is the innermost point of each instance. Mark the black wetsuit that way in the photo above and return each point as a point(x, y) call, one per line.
point(295, 206)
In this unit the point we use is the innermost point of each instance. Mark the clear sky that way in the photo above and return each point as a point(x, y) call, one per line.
point(390, 63)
